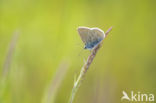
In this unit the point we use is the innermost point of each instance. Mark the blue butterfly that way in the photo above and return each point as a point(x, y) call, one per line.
point(91, 37)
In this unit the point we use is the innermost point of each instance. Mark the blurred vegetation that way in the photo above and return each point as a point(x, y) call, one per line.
point(48, 35)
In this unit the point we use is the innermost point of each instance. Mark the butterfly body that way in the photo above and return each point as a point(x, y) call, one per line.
point(91, 36)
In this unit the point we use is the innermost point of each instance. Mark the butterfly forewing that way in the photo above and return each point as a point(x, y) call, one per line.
point(84, 32)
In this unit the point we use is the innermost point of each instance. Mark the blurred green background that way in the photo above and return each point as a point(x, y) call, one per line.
point(48, 38)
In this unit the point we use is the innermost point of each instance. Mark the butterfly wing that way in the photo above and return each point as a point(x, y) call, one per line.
point(98, 33)
point(84, 34)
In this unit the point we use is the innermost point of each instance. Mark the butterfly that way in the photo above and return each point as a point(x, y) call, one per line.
point(91, 37)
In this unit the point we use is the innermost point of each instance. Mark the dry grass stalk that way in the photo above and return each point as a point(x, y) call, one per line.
point(55, 83)
point(11, 50)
